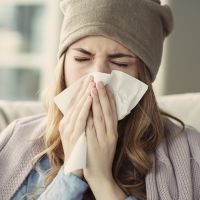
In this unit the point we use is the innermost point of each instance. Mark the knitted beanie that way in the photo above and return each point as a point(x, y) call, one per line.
point(139, 25)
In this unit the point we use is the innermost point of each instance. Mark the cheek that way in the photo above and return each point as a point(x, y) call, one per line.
point(72, 72)
point(133, 71)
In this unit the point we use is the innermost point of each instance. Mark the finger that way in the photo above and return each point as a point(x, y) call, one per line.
point(82, 118)
point(113, 105)
point(79, 91)
point(72, 114)
point(90, 130)
point(85, 87)
point(78, 107)
point(106, 108)
point(98, 117)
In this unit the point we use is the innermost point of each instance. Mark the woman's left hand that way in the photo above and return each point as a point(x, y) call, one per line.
point(102, 135)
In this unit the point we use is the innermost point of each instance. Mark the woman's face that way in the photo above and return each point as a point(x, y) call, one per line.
point(98, 54)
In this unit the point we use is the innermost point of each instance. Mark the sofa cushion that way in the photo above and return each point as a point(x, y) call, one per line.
point(184, 106)
point(11, 110)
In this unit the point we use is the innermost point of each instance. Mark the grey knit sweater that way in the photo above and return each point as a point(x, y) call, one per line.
point(176, 163)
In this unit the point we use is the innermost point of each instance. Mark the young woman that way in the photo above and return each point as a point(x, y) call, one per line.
point(147, 155)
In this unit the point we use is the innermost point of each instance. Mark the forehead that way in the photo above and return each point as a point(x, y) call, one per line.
point(100, 43)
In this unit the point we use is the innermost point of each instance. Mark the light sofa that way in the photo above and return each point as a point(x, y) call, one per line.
point(184, 106)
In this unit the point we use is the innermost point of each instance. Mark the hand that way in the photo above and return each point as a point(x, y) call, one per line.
point(102, 135)
point(74, 121)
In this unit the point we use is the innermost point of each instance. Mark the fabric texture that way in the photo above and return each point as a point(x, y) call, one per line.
point(176, 162)
point(64, 187)
point(139, 25)
point(33, 185)
point(11, 110)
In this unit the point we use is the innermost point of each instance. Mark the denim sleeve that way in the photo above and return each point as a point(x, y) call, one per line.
point(65, 187)
point(130, 198)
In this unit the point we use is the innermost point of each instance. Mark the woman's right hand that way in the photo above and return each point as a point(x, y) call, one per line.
point(74, 121)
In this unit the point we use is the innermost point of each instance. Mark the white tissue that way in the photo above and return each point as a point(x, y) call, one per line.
point(127, 91)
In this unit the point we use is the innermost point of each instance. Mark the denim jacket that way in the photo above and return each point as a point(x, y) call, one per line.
point(175, 172)
point(63, 187)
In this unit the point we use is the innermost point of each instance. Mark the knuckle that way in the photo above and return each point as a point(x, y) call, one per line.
point(99, 118)
point(103, 94)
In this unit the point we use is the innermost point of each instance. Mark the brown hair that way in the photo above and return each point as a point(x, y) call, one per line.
point(140, 133)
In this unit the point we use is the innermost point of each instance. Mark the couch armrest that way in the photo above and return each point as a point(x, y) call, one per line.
point(184, 106)
point(11, 110)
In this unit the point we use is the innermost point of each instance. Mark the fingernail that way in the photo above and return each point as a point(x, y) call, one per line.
point(91, 78)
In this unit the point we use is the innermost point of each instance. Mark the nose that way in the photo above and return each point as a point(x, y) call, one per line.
point(102, 66)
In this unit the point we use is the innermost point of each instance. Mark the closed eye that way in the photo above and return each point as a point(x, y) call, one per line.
point(86, 59)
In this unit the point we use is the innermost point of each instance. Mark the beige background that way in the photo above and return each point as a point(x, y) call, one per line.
point(180, 69)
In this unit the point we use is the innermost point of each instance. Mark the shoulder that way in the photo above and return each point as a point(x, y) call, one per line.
point(30, 126)
point(19, 144)
point(30, 120)
point(25, 127)
point(180, 142)
point(176, 164)
point(176, 130)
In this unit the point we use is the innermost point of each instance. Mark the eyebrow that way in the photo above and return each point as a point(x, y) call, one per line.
point(111, 56)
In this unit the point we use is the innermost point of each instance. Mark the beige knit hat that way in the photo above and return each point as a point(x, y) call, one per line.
point(140, 25)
